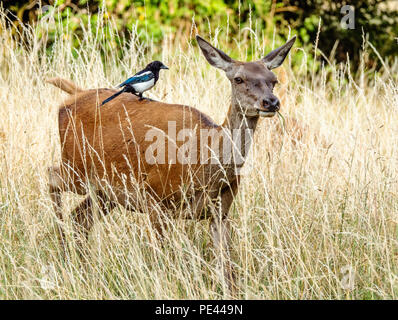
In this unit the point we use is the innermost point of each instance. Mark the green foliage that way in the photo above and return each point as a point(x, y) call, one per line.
point(152, 20)
point(376, 20)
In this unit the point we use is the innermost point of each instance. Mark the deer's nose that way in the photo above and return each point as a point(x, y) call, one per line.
point(272, 104)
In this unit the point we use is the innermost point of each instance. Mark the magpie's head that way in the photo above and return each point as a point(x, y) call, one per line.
point(156, 66)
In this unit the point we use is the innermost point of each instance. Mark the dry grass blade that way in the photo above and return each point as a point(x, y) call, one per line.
point(312, 220)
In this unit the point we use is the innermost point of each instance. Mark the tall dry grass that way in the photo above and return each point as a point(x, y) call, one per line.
point(316, 218)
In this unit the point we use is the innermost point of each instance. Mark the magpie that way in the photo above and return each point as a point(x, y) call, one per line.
point(140, 82)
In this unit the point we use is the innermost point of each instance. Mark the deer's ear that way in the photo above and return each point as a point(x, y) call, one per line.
point(214, 56)
point(276, 57)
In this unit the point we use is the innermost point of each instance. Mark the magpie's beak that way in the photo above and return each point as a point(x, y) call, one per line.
point(164, 67)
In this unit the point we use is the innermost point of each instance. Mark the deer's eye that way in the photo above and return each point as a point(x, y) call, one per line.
point(274, 83)
point(238, 80)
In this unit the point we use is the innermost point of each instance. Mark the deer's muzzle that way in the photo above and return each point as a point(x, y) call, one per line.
point(269, 107)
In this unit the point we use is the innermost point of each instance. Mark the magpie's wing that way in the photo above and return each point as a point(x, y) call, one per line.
point(143, 77)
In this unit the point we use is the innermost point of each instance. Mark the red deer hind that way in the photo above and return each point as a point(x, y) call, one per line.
point(106, 149)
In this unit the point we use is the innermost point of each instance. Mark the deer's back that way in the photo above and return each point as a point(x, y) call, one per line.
point(109, 143)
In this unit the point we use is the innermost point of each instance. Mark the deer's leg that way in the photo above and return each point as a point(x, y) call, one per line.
point(220, 231)
point(83, 217)
point(157, 218)
point(58, 184)
point(56, 188)
point(221, 241)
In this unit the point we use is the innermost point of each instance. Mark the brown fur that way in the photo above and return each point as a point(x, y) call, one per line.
point(96, 140)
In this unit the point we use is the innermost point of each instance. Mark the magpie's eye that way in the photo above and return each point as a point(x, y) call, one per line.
point(238, 80)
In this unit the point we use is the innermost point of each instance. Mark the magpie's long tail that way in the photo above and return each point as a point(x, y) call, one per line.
point(112, 96)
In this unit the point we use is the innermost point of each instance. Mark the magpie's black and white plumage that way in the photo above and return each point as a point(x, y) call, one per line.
point(140, 82)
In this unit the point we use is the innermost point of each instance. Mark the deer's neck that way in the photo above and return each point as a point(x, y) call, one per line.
point(241, 128)
point(236, 120)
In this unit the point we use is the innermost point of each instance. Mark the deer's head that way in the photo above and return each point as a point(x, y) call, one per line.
point(252, 82)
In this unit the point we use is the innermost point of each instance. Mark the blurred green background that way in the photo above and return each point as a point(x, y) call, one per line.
point(231, 21)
